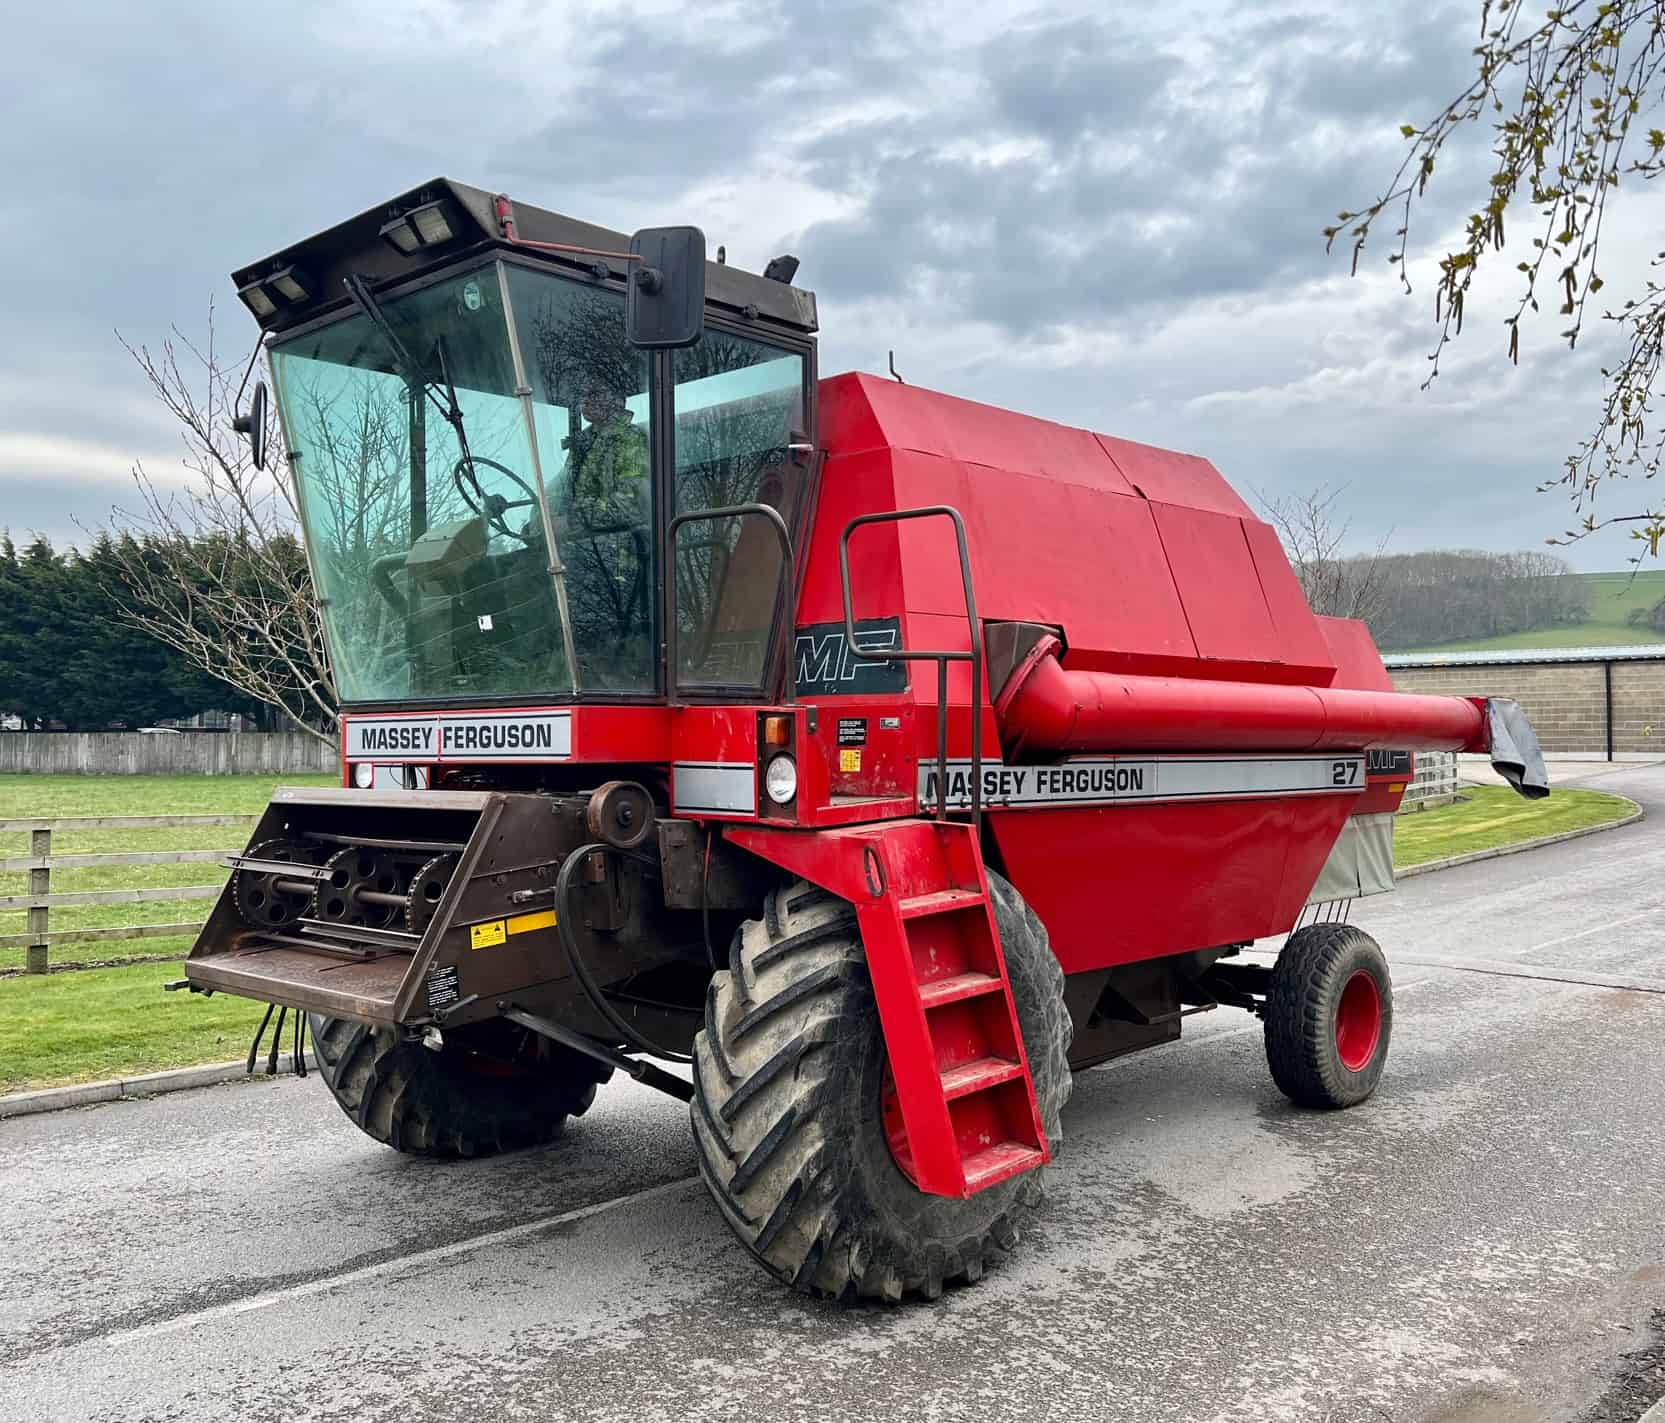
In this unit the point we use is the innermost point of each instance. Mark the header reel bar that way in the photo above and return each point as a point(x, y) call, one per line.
point(368, 888)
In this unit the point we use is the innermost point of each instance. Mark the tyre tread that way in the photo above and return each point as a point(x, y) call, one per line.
point(400, 1094)
point(1299, 1034)
point(768, 1062)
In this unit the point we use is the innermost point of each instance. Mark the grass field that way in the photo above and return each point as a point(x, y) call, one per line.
point(1493, 816)
point(43, 796)
point(92, 1024)
point(1613, 597)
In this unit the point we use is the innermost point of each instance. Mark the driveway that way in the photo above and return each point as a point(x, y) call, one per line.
point(1481, 1241)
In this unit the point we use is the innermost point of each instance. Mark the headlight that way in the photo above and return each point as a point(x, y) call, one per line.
point(364, 775)
point(780, 779)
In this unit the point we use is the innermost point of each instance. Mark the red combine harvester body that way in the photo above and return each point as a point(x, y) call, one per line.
point(881, 755)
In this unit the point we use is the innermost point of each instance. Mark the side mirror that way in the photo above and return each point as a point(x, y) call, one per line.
point(665, 307)
point(252, 425)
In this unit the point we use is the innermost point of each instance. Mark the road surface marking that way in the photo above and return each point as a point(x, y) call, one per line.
point(1507, 968)
point(1598, 929)
point(385, 1267)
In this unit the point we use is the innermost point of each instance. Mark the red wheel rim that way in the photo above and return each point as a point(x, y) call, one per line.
point(896, 1135)
point(1358, 1021)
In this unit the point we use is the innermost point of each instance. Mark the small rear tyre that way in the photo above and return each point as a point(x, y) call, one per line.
point(789, 1078)
point(494, 1087)
point(1329, 1016)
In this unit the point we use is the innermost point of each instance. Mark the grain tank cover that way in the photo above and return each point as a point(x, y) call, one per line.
point(1146, 558)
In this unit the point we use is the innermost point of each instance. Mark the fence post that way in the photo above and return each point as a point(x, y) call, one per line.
point(40, 882)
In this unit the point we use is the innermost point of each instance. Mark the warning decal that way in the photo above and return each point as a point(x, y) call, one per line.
point(487, 935)
point(1115, 780)
point(442, 985)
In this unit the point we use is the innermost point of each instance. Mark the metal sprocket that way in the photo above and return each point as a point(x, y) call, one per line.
point(352, 871)
point(259, 901)
point(427, 888)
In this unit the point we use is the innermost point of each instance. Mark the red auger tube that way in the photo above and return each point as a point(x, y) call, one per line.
point(1048, 708)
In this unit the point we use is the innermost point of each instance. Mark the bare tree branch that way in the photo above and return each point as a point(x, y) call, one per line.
point(1564, 94)
point(1312, 535)
point(216, 569)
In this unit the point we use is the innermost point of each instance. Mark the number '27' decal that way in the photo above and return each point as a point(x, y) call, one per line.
point(1344, 773)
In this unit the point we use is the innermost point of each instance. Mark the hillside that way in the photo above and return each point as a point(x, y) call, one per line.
point(1612, 598)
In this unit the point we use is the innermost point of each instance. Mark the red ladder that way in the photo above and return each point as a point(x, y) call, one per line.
point(963, 1116)
point(967, 1105)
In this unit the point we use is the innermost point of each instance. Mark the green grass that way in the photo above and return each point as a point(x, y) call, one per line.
point(113, 1022)
point(84, 1025)
point(1494, 816)
point(1613, 597)
point(45, 796)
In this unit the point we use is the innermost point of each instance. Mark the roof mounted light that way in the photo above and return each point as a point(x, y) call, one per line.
point(284, 286)
point(427, 225)
point(255, 297)
point(290, 284)
point(403, 237)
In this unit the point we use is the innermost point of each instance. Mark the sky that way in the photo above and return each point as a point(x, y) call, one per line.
point(1101, 213)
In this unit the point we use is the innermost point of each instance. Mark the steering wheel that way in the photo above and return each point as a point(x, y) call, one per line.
point(492, 506)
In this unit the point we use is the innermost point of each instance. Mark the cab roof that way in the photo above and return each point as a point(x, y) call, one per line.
point(320, 263)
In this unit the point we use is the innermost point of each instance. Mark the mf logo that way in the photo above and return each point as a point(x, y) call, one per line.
point(826, 666)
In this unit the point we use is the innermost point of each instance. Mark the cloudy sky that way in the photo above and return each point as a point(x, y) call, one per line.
point(1103, 213)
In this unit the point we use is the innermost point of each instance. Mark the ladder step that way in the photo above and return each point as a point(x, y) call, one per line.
point(942, 901)
point(976, 1076)
point(952, 990)
point(994, 1164)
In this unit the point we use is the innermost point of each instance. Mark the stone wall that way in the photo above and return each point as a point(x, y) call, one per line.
point(1566, 700)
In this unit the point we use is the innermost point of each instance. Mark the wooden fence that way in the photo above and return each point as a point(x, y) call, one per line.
point(40, 862)
point(189, 753)
point(1435, 782)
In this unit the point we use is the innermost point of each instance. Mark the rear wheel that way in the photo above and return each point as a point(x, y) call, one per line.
point(789, 1094)
point(1329, 1016)
point(494, 1087)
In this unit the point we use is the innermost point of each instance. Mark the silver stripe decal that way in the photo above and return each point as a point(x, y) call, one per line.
point(1119, 780)
point(727, 787)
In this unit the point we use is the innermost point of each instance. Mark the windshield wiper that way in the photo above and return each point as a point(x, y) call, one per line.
point(358, 290)
point(454, 418)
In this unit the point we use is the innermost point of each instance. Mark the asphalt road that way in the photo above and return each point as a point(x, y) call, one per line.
point(1481, 1241)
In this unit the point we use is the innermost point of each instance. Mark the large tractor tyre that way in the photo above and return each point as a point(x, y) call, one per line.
point(493, 1087)
point(1329, 1016)
point(789, 1080)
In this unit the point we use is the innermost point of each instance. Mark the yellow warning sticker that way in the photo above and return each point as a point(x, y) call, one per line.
point(487, 935)
point(526, 923)
point(849, 758)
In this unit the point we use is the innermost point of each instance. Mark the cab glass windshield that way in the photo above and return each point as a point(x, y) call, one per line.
point(417, 483)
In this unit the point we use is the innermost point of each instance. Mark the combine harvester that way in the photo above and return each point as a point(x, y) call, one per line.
point(882, 756)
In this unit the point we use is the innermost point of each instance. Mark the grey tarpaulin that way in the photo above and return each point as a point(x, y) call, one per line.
point(1361, 861)
point(1513, 746)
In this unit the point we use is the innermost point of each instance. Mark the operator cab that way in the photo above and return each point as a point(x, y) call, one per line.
point(487, 467)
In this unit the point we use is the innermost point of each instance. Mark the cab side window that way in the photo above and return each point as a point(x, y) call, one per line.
point(737, 404)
